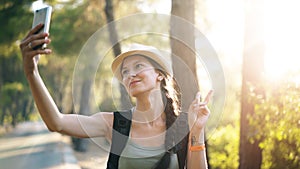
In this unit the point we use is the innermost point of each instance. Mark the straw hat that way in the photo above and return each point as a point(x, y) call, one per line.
point(146, 51)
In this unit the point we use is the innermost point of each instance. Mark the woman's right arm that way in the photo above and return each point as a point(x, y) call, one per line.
point(70, 124)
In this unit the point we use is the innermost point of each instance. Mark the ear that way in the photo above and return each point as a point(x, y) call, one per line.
point(160, 78)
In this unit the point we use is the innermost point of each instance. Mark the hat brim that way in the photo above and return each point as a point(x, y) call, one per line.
point(116, 64)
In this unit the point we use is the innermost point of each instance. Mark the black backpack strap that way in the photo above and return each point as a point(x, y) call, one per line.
point(182, 123)
point(182, 153)
point(120, 133)
point(181, 138)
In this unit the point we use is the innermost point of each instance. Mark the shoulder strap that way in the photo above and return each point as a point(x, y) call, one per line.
point(120, 133)
point(182, 134)
point(181, 138)
point(182, 153)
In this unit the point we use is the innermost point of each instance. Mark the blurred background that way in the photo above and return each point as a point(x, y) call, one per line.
point(257, 45)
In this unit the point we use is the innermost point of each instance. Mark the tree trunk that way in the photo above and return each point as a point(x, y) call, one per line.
point(183, 47)
point(113, 36)
point(250, 154)
point(81, 144)
point(183, 55)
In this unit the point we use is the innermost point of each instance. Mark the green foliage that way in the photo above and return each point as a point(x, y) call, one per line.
point(223, 147)
point(15, 103)
point(72, 26)
point(13, 14)
point(277, 123)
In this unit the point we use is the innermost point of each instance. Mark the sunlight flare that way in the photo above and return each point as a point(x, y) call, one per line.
point(281, 37)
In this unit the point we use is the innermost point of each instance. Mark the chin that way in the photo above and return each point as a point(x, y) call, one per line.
point(137, 92)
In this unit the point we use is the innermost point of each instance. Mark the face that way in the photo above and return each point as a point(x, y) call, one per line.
point(139, 76)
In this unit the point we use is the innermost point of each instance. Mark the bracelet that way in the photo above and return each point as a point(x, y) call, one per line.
point(197, 148)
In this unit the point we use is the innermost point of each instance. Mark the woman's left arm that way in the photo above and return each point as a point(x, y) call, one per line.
point(198, 115)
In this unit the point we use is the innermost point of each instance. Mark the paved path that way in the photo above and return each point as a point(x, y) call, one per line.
point(32, 146)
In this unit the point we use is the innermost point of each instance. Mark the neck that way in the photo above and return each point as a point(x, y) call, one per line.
point(148, 108)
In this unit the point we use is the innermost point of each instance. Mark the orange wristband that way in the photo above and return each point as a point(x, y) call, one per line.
point(197, 148)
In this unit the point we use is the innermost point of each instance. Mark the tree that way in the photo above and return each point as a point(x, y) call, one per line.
point(90, 13)
point(183, 50)
point(250, 154)
point(183, 47)
point(16, 104)
point(276, 121)
point(113, 36)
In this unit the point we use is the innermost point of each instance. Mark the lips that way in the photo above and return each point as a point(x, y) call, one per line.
point(133, 82)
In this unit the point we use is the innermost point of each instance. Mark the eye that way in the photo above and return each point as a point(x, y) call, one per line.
point(139, 66)
point(124, 72)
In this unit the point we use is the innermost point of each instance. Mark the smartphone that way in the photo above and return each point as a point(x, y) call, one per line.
point(42, 15)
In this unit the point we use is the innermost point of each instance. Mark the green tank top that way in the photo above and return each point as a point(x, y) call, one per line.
point(135, 156)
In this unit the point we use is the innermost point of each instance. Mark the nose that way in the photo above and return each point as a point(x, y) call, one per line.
point(130, 75)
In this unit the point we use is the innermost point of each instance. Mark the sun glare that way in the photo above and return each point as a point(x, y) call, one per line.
point(282, 37)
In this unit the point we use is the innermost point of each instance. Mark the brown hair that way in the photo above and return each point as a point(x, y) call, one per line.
point(171, 96)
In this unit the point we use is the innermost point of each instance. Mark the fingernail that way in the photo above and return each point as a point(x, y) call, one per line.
point(48, 51)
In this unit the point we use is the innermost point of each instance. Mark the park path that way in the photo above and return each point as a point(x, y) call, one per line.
point(31, 146)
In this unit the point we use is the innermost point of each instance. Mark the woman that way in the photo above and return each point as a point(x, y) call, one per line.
point(148, 78)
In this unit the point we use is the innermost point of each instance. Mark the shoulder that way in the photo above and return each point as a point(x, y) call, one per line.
point(106, 117)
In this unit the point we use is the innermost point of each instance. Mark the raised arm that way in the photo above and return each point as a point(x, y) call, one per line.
point(70, 124)
point(198, 115)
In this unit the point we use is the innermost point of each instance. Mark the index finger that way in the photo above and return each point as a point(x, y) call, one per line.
point(198, 97)
point(208, 96)
point(35, 29)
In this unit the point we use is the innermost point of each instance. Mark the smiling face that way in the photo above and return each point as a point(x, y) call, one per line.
point(139, 76)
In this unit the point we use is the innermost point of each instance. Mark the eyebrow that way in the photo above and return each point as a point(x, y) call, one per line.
point(138, 61)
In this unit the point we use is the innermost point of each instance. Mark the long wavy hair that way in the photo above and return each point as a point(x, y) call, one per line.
point(176, 131)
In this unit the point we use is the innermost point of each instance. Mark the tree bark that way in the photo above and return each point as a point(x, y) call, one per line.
point(113, 36)
point(183, 47)
point(249, 152)
point(81, 144)
point(183, 52)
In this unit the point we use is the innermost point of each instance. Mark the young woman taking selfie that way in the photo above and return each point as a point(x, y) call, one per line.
point(153, 135)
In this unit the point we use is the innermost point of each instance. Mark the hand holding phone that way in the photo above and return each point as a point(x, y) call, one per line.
point(43, 16)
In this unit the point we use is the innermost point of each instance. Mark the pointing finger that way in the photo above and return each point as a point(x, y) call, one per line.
point(208, 96)
point(198, 97)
